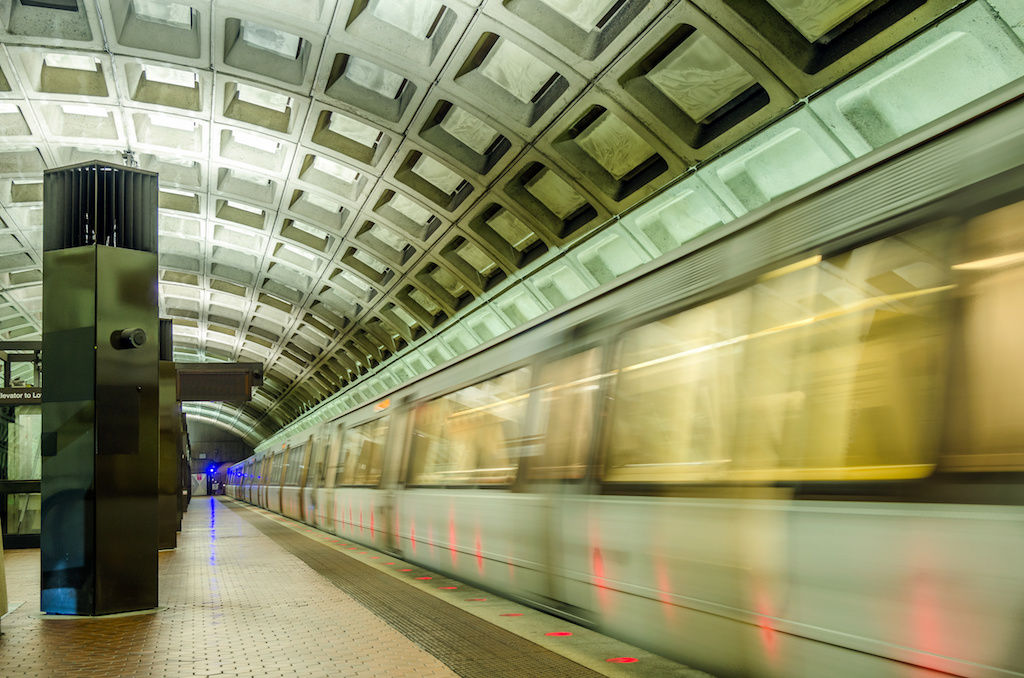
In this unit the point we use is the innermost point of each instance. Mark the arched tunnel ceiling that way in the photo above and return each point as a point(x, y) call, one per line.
point(342, 179)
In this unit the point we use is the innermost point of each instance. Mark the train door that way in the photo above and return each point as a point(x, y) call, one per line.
point(392, 479)
point(323, 493)
point(358, 499)
point(256, 491)
point(304, 457)
point(570, 386)
point(275, 500)
point(315, 476)
point(264, 478)
point(250, 481)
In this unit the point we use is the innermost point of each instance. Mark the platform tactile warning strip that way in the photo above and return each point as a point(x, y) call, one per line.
point(470, 646)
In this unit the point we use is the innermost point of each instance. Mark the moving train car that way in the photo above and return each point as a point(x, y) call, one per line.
point(794, 449)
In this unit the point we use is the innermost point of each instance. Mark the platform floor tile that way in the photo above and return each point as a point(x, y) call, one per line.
point(233, 603)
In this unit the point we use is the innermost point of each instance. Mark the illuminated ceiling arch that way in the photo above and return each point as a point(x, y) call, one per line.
point(345, 180)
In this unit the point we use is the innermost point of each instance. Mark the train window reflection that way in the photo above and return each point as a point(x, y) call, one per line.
point(569, 390)
point(471, 437)
point(830, 371)
point(987, 390)
point(362, 453)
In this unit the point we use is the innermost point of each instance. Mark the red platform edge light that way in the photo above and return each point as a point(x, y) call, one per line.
point(511, 614)
point(622, 660)
point(476, 599)
point(558, 633)
point(406, 569)
point(424, 577)
point(448, 588)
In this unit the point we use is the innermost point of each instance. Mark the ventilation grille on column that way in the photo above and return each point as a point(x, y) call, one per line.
point(100, 204)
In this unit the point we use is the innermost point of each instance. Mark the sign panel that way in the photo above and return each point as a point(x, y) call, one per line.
point(21, 396)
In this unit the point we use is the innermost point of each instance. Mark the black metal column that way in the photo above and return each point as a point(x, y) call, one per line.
point(100, 428)
point(170, 438)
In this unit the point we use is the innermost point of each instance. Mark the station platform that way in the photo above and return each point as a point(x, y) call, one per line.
point(250, 593)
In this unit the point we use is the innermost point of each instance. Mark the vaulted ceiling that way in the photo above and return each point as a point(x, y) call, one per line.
point(342, 180)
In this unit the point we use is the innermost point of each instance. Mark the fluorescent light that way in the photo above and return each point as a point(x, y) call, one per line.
point(176, 191)
point(270, 39)
point(263, 98)
point(321, 202)
point(173, 122)
point(334, 169)
point(257, 141)
point(244, 207)
point(163, 12)
point(469, 129)
point(355, 130)
point(373, 77)
point(415, 17)
point(516, 71)
point(170, 76)
point(699, 77)
point(75, 62)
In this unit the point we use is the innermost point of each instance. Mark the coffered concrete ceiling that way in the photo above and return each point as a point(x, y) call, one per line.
point(352, 184)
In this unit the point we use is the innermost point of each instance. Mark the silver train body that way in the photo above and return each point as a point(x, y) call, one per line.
point(794, 449)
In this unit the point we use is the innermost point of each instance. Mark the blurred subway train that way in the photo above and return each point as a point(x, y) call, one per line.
point(795, 448)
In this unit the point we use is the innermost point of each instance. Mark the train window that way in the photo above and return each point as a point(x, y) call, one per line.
point(827, 370)
point(569, 389)
point(275, 468)
point(362, 453)
point(294, 471)
point(986, 423)
point(472, 436)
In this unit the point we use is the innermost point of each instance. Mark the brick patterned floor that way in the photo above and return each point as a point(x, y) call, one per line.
point(234, 604)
